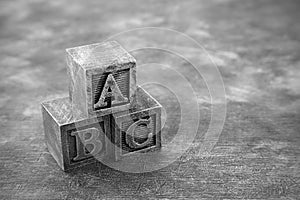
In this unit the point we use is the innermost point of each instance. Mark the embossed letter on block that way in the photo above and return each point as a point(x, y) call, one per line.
point(74, 143)
point(139, 129)
point(102, 78)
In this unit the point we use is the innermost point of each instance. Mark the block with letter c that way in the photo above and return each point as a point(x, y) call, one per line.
point(138, 131)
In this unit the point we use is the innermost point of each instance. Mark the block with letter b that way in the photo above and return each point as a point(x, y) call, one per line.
point(102, 78)
point(71, 142)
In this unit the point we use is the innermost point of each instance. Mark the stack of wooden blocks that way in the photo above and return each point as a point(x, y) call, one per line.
point(106, 116)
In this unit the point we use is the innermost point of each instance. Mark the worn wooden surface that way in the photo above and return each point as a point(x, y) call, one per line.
point(256, 46)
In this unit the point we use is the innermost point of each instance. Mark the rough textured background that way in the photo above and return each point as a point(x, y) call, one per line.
point(256, 45)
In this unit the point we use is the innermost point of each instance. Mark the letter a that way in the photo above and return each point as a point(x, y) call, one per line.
point(110, 89)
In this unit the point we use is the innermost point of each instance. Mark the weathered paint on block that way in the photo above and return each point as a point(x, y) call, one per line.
point(102, 79)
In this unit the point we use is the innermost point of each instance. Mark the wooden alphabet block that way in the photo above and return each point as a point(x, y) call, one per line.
point(76, 142)
point(102, 79)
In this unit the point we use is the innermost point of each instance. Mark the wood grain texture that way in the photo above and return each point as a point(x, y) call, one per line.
point(255, 44)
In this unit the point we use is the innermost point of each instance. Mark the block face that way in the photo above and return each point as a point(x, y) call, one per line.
point(77, 85)
point(98, 81)
point(100, 55)
point(85, 142)
point(52, 136)
point(137, 132)
point(120, 82)
point(102, 78)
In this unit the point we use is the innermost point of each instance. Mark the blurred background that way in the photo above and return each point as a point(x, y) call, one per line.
point(256, 47)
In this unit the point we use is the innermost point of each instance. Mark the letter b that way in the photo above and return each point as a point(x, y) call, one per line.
point(82, 142)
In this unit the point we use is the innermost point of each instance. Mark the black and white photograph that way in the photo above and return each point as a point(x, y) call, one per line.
point(154, 99)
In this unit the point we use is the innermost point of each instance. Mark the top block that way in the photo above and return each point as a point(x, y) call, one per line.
point(102, 78)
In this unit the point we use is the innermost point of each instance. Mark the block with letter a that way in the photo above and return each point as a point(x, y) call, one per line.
point(106, 116)
point(102, 79)
point(110, 92)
